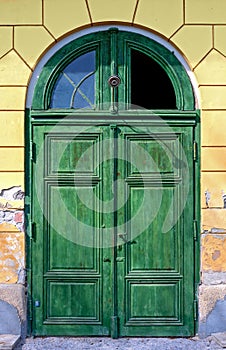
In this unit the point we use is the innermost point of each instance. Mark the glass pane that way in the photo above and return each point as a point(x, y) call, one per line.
point(75, 87)
point(151, 88)
point(84, 97)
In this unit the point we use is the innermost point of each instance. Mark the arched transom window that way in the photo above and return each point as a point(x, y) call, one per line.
point(80, 75)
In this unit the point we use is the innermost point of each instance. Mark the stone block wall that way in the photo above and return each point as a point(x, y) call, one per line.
point(197, 29)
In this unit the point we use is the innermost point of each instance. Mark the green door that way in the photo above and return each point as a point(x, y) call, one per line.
point(72, 279)
point(113, 212)
point(155, 294)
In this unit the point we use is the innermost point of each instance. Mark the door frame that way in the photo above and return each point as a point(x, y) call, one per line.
point(38, 112)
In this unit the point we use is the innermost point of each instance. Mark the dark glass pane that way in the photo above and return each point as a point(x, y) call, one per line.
point(151, 88)
point(75, 87)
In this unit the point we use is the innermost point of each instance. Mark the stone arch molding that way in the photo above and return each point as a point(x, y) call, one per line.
point(59, 45)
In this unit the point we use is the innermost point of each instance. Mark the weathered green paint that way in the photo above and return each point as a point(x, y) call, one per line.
point(140, 284)
point(157, 286)
point(145, 282)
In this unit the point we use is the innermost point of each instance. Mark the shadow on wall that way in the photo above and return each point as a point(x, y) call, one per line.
point(9, 319)
point(216, 320)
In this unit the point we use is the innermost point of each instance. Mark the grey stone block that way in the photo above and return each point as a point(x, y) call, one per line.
point(8, 341)
point(9, 319)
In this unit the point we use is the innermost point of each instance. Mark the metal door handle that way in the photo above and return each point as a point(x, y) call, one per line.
point(107, 260)
point(123, 237)
point(120, 259)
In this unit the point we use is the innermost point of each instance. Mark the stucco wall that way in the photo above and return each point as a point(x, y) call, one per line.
point(197, 28)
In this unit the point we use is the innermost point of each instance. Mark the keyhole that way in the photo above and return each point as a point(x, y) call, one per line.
point(114, 81)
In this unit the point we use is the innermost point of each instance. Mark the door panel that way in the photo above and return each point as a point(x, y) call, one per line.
point(83, 281)
point(64, 154)
point(152, 296)
point(157, 302)
point(159, 250)
point(83, 303)
point(69, 283)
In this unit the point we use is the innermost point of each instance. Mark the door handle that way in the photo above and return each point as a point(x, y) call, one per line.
point(107, 260)
point(123, 237)
point(120, 259)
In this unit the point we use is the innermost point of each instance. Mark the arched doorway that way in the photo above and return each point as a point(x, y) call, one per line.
point(113, 133)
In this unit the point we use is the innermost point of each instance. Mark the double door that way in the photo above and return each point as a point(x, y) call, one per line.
point(112, 249)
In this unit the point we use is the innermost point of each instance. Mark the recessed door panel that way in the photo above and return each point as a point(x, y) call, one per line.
point(72, 154)
point(74, 302)
point(157, 303)
point(159, 251)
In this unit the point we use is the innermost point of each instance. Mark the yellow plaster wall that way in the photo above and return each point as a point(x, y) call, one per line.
point(197, 29)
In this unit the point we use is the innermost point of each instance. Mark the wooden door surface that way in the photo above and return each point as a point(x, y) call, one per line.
point(156, 274)
point(113, 214)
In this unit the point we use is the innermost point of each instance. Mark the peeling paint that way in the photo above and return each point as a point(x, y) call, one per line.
point(12, 193)
point(21, 275)
point(12, 197)
point(12, 217)
point(12, 236)
point(224, 200)
point(214, 230)
point(207, 196)
point(217, 230)
point(12, 258)
point(18, 217)
point(216, 254)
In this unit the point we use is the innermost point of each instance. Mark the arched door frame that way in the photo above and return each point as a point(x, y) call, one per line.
point(63, 42)
point(43, 78)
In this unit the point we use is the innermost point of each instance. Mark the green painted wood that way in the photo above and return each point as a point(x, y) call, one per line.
point(156, 293)
point(146, 283)
point(101, 264)
point(72, 275)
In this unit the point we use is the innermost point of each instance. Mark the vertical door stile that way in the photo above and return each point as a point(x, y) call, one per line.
point(115, 319)
point(114, 109)
point(114, 69)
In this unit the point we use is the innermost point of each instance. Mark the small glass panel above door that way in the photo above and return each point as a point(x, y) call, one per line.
point(75, 86)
